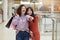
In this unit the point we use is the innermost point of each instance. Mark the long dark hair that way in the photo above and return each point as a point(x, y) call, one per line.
point(19, 9)
point(31, 10)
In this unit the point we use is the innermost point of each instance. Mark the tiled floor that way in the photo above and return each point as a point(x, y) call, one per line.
point(9, 34)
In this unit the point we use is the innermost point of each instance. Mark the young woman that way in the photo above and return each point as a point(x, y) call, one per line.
point(33, 24)
point(21, 23)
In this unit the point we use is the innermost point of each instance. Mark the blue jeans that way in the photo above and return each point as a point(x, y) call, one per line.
point(22, 35)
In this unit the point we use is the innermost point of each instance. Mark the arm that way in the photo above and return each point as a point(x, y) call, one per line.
point(38, 16)
point(29, 17)
point(15, 20)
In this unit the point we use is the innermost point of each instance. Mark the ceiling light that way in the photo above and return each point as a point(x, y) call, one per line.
point(25, 2)
point(0, 2)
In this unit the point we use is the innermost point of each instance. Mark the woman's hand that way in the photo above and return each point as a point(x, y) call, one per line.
point(31, 18)
point(31, 34)
point(39, 16)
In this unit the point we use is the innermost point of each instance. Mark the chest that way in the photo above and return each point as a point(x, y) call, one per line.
point(22, 20)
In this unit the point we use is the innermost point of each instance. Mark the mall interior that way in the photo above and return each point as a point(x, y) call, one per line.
point(48, 26)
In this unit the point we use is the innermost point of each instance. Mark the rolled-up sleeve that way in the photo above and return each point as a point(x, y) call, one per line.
point(27, 16)
point(15, 20)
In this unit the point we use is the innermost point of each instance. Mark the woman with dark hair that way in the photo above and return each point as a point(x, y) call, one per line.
point(31, 12)
point(21, 23)
point(33, 25)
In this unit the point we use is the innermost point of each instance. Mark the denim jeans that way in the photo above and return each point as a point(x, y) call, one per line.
point(22, 35)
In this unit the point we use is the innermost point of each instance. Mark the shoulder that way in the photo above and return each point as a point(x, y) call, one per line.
point(28, 16)
point(36, 15)
point(17, 16)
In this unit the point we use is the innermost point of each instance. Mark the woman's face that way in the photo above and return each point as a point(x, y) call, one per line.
point(23, 10)
point(29, 12)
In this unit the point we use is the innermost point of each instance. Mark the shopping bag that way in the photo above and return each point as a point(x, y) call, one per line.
point(9, 22)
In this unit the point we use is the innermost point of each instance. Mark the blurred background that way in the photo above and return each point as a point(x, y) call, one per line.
point(49, 25)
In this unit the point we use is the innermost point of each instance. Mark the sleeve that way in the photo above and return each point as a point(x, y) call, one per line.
point(15, 20)
point(27, 16)
point(36, 19)
point(12, 26)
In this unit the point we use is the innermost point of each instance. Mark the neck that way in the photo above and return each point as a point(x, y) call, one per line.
point(22, 14)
